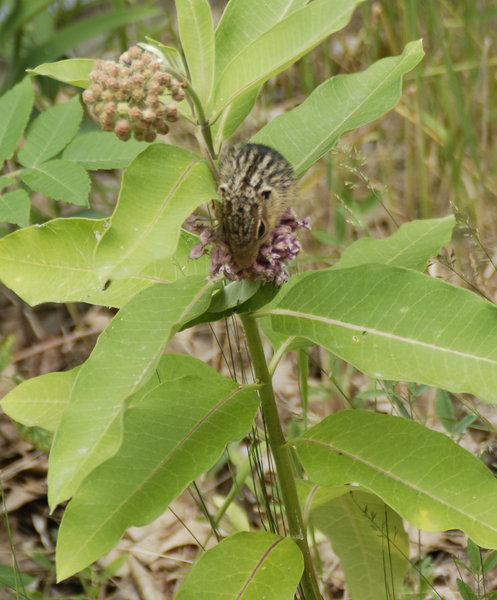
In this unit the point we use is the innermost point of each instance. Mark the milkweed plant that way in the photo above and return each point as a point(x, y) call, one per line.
point(134, 426)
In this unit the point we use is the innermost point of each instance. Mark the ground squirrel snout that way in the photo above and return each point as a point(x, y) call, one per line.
point(257, 186)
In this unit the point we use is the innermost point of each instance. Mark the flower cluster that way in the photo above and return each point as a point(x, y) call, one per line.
point(281, 247)
point(125, 95)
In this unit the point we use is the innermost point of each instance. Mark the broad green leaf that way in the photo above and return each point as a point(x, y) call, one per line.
point(15, 109)
point(281, 342)
point(59, 179)
point(69, 37)
point(160, 189)
point(61, 268)
point(50, 132)
point(15, 207)
point(244, 22)
point(455, 490)
point(125, 355)
point(261, 565)
point(177, 420)
point(197, 38)
point(370, 540)
point(410, 247)
point(73, 71)
point(279, 47)
point(398, 324)
point(102, 150)
point(342, 103)
point(474, 556)
point(241, 23)
point(40, 401)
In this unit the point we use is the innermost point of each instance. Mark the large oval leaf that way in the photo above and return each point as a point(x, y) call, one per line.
point(279, 47)
point(173, 433)
point(395, 323)
point(61, 269)
point(340, 104)
point(160, 189)
point(262, 565)
point(426, 477)
point(126, 354)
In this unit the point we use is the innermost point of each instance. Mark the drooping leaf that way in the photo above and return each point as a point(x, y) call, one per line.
point(90, 430)
point(61, 269)
point(262, 565)
point(60, 180)
point(340, 104)
point(197, 38)
point(177, 419)
point(15, 109)
point(15, 207)
point(102, 150)
point(370, 540)
point(160, 189)
point(431, 481)
point(410, 247)
point(73, 71)
point(280, 46)
point(398, 324)
point(21, 13)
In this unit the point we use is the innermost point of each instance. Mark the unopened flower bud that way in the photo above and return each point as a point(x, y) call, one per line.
point(125, 58)
point(174, 85)
point(123, 108)
point(137, 80)
point(113, 84)
point(179, 95)
point(135, 113)
point(153, 87)
point(94, 75)
point(89, 97)
point(106, 119)
point(148, 115)
point(107, 126)
point(150, 136)
point(171, 113)
point(123, 130)
point(147, 74)
point(161, 126)
point(135, 52)
point(110, 109)
point(98, 64)
point(163, 79)
point(138, 94)
point(139, 136)
point(146, 58)
point(96, 88)
point(152, 100)
point(160, 109)
point(154, 66)
point(98, 108)
point(122, 95)
point(126, 84)
point(103, 79)
point(137, 66)
point(107, 96)
point(124, 72)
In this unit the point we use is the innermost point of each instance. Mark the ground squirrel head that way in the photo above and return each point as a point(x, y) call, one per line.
point(257, 186)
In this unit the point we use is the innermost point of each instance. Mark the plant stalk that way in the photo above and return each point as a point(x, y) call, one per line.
point(281, 455)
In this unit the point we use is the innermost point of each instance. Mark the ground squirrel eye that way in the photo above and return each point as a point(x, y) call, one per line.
point(266, 194)
point(262, 230)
